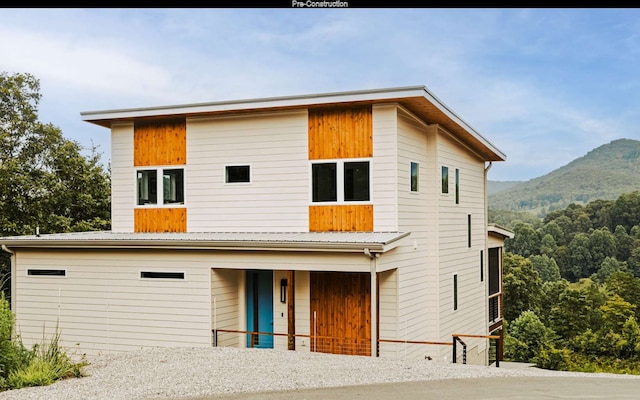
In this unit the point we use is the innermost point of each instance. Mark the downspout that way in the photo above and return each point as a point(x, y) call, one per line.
point(373, 257)
point(484, 261)
point(12, 274)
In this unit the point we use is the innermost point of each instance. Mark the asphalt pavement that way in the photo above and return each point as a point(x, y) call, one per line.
point(512, 388)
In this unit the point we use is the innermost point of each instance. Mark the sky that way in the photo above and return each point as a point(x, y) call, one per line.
point(545, 86)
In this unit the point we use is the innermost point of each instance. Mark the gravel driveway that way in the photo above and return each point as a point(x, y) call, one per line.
point(182, 373)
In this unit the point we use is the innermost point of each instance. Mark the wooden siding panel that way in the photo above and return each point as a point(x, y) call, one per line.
point(160, 219)
point(160, 143)
point(341, 303)
point(340, 133)
point(341, 218)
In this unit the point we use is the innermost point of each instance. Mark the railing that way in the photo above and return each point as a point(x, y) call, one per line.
point(456, 339)
point(495, 307)
point(352, 346)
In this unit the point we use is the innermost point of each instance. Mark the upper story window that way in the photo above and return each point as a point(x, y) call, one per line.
point(160, 186)
point(237, 174)
point(340, 181)
point(457, 186)
point(414, 176)
point(445, 179)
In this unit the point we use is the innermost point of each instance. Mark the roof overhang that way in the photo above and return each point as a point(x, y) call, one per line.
point(499, 231)
point(367, 242)
point(417, 99)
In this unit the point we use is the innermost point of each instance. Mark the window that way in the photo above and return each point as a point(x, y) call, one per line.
point(445, 179)
point(161, 275)
point(481, 265)
point(455, 291)
point(46, 272)
point(340, 181)
point(468, 230)
point(414, 176)
point(237, 174)
point(171, 192)
point(457, 186)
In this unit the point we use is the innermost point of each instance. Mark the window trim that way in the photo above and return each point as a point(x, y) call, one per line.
point(160, 188)
point(238, 183)
point(340, 181)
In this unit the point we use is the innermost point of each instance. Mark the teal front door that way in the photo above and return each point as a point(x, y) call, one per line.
point(260, 308)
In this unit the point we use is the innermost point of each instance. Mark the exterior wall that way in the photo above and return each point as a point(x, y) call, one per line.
point(123, 186)
point(227, 304)
point(104, 305)
point(416, 262)
point(275, 147)
point(455, 256)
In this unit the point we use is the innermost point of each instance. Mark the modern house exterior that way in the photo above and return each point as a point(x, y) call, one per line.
point(352, 223)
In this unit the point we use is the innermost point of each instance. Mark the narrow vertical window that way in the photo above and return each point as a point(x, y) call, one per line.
point(414, 177)
point(445, 179)
point(455, 291)
point(457, 186)
point(469, 230)
point(481, 265)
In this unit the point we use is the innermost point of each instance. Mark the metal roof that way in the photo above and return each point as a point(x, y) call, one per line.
point(284, 241)
point(417, 99)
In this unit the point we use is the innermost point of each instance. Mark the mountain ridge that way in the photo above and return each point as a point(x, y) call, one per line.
point(601, 174)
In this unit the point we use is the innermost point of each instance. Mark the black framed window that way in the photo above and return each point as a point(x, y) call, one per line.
point(356, 181)
point(325, 182)
point(414, 176)
point(237, 174)
point(445, 179)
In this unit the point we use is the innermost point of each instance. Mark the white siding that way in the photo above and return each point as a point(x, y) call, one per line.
point(455, 256)
point(384, 174)
point(275, 145)
point(103, 305)
point(123, 188)
point(227, 305)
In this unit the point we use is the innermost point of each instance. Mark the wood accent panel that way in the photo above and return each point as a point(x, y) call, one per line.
point(160, 219)
point(341, 303)
point(340, 133)
point(341, 218)
point(160, 143)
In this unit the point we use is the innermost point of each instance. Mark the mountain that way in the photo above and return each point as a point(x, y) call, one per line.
point(603, 173)
point(498, 186)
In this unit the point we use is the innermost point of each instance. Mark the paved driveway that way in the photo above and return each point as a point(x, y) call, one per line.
point(520, 388)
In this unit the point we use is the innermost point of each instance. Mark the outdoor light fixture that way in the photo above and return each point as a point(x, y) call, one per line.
point(283, 290)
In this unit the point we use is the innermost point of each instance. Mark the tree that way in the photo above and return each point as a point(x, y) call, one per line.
point(525, 240)
point(521, 285)
point(46, 181)
point(546, 267)
point(602, 244)
point(580, 257)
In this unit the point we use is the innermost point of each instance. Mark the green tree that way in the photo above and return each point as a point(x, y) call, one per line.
point(608, 267)
point(547, 267)
point(525, 240)
point(46, 180)
point(602, 244)
point(579, 257)
point(522, 286)
point(624, 243)
point(548, 245)
point(525, 337)
point(625, 210)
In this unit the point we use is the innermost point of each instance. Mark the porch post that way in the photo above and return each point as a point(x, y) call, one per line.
point(374, 305)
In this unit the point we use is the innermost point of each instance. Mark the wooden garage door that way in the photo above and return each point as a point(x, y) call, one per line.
point(341, 313)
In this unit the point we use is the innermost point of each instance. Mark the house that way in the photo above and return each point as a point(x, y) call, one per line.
point(352, 223)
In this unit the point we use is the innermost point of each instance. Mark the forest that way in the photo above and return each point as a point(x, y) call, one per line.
point(571, 285)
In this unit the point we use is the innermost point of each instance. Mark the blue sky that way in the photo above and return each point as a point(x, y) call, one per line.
point(545, 86)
